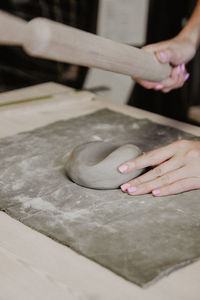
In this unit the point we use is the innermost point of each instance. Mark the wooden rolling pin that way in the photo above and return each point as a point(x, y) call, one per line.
point(51, 40)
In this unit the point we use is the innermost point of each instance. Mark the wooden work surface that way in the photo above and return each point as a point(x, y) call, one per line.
point(36, 267)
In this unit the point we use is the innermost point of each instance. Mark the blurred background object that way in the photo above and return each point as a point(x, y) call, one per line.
point(17, 69)
point(123, 21)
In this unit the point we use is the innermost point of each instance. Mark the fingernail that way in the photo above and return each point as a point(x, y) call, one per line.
point(124, 187)
point(183, 67)
point(159, 87)
point(186, 77)
point(132, 190)
point(156, 192)
point(128, 166)
point(163, 56)
point(123, 168)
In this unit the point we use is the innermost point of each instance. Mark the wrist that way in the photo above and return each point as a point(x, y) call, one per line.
point(191, 36)
point(190, 42)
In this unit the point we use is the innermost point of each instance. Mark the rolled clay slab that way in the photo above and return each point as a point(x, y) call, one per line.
point(95, 164)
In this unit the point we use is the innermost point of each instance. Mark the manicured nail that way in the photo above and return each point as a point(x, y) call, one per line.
point(128, 166)
point(186, 77)
point(183, 67)
point(123, 168)
point(163, 56)
point(132, 190)
point(124, 187)
point(156, 192)
point(159, 87)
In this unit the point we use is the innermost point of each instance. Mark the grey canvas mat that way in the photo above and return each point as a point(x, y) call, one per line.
point(141, 238)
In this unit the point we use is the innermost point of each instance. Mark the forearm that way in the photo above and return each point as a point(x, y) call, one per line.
point(191, 31)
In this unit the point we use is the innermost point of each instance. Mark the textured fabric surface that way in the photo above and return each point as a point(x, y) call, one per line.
point(140, 238)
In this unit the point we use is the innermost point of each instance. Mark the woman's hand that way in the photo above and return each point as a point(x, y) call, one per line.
point(176, 170)
point(177, 51)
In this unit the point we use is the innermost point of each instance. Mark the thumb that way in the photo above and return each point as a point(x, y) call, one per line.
point(164, 56)
point(162, 51)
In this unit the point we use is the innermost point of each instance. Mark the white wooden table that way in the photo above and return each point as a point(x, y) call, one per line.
point(32, 266)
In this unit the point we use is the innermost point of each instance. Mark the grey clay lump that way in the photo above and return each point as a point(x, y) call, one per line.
point(95, 164)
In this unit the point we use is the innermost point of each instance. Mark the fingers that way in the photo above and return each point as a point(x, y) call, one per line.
point(151, 158)
point(162, 169)
point(176, 80)
point(147, 84)
point(169, 184)
point(180, 186)
point(175, 51)
point(177, 170)
point(156, 184)
point(164, 56)
point(163, 51)
point(167, 52)
point(164, 186)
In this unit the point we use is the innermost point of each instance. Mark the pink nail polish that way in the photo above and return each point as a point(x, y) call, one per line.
point(159, 87)
point(156, 192)
point(163, 56)
point(132, 190)
point(124, 187)
point(123, 168)
point(186, 77)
